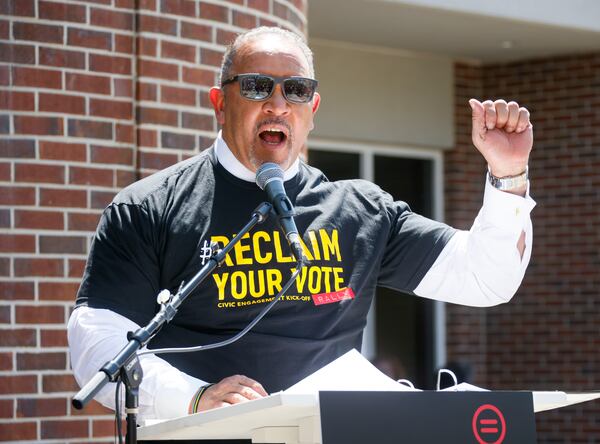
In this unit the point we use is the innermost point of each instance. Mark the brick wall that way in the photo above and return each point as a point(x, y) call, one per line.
point(93, 95)
point(548, 337)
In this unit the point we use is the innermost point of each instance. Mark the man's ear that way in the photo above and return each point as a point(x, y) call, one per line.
point(316, 102)
point(217, 98)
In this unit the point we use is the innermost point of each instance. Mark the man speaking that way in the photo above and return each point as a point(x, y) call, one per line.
point(157, 233)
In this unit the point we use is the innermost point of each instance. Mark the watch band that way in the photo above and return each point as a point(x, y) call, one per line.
point(509, 182)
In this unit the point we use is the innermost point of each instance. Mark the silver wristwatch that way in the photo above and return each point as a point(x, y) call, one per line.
point(509, 182)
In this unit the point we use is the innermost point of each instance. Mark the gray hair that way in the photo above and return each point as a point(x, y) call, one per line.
point(243, 38)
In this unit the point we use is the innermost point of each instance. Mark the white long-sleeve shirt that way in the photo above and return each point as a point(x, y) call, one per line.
point(480, 267)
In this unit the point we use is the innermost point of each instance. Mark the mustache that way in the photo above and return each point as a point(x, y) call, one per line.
point(274, 121)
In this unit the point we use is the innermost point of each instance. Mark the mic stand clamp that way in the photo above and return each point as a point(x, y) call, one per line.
point(126, 364)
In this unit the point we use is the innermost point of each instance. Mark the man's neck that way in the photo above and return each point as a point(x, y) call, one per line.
point(228, 160)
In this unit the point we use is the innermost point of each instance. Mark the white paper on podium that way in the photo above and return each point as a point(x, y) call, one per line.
point(348, 372)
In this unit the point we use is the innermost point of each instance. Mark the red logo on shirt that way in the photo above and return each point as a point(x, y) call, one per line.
point(330, 298)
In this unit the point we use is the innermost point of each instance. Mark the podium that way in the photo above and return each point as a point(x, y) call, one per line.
point(349, 417)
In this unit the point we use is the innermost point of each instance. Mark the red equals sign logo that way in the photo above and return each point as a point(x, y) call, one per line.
point(489, 426)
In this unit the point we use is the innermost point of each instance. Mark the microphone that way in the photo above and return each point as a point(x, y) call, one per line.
point(269, 177)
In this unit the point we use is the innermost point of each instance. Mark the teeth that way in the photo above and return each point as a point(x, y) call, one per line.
point(273, 130)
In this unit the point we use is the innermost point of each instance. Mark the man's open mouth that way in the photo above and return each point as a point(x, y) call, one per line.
point(273, 136)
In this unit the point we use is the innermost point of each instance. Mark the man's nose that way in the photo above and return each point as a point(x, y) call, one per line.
point(277, 104)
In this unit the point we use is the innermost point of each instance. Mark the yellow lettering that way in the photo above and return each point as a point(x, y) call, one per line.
point(331, 245)
point(315, 245)
point(240, 249)
point(314, 280)
point(338, 280)
point(260, 291)
point(300, 279)
point(278, 251)
point(255, 244)
point(239, 285)
point(221, 281)
point(326, 271)
point(273, 281)
point(223, 240)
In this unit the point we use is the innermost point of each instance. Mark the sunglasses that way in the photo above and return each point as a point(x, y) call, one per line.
point(260, 87)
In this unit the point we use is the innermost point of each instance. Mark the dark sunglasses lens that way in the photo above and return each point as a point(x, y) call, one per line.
point(299, 90)
point(256, 87)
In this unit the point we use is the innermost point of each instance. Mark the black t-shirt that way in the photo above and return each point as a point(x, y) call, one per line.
point(157, 233)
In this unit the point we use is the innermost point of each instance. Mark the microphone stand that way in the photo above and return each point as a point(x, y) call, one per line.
point(125, 365)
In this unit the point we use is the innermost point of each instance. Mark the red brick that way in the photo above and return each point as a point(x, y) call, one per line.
point(17, 148)
point(55, 338)
point(40, 314)
point(18, 101)
point(22, 337)
point(126, 177)
point(211, 57)
point(100, 199)
point(14, 53)
point(4, 75)
point(38, 32)
point(124, 44)
point(17, 8)
point(147, 4)
point(261, 5)
point(124, 133)
point(26, 172)
point(197, 121)
point(58, 383)
point(5, 271)
point(7, 407)
point(5, 174)
point(77, 266)
point(186, 8)
point(226, 37)
point(89, 39)
point(179, 51)
point(178, 141)
point(110, 64)
point(40, 407)
point(61, 11)
point(147, 46)
point(150, 23)
point(158, 116)
point(158, 70)
point(147, 138)
point(10, 385)
point(5, 217)
point(18, 431)
point(62, 429)
point(42, 78)
point(39, 267)
point(43, 126)
point(41, 361)
point(214, 12)
point(61, 103)
point(123, 88)
point(196, 31)
point(63, 198)
point(147, 91)
point(57, 291)
point(91, 176)
point(4, 29)
point(103, 427)
point(88, 83)
point(83, 221)
point(5, 124)
point(50, 220)
point(155, 161)
point(244, 20)
point(198, 76)
point(111, 19)
point(11, 290)
point(179, 96)
point(63, 151)
point(6, 361)
point(111, 108)
point(17, 195)
point(90, 129)
point(17, 243)
point(111, 155)
point(63, 244)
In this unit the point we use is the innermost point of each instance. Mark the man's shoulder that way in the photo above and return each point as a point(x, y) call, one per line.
point(161, 181)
